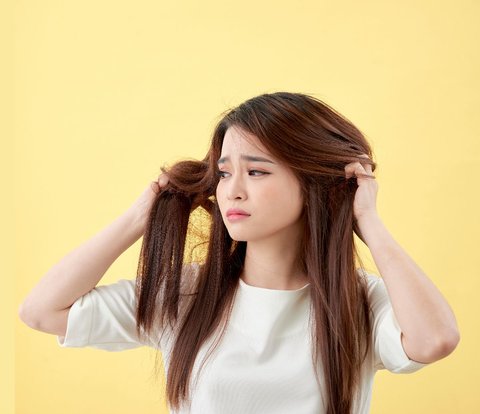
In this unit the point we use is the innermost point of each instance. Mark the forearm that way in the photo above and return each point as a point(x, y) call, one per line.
point(80, 270)
point(425, 318)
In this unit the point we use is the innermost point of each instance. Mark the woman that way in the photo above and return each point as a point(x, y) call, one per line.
point(277, 318)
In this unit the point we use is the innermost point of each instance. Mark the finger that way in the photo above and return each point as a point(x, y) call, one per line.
point(354, 169)
point(367, 166)
point(163, 180)
point(155, 187)
point(360, 171)
point(349, 171)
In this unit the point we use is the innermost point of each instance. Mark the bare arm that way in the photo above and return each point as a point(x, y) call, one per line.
point(80, 270)
point(428, 324)
point(46, 307)
point(429, 327)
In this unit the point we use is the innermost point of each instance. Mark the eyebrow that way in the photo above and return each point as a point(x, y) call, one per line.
point(247, 158)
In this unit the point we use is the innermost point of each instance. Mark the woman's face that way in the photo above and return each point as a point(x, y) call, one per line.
point(267, 191)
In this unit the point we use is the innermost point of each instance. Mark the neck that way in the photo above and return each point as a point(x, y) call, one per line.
point(272, 266)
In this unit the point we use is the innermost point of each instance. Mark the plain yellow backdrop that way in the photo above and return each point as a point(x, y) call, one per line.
point(104, 93)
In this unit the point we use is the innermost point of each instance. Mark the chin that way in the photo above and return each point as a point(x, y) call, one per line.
point(236, 236)
point(238, 239)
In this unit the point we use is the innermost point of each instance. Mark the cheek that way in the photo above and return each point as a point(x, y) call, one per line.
point(282, 199)
point(289, 198)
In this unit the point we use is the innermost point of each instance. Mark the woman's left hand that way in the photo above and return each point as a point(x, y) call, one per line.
point(366, 194)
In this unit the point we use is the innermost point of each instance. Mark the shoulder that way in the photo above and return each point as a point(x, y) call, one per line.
point(371, 279)
point(376, 289)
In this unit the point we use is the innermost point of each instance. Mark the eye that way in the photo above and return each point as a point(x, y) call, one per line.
point(261, 172)
point(220, 173)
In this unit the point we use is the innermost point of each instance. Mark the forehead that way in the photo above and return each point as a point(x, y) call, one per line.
point(238, 141)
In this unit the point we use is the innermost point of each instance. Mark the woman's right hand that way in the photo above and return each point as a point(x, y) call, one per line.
point(143, 204)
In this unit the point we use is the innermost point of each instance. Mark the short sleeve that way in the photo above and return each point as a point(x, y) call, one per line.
point(388, 349)
point(104, 318)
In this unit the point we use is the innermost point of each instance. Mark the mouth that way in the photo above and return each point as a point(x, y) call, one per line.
point(235, 217)
point(236, 211)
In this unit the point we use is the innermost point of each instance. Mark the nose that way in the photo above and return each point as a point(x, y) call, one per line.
point(235, 187)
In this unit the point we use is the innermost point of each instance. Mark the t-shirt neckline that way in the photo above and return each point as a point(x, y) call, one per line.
point(246, 286)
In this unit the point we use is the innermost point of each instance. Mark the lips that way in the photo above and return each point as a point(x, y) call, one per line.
point(236, 211)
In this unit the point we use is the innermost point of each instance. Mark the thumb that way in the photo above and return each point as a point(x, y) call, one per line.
point(155, 187)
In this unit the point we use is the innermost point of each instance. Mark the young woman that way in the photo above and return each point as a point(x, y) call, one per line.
point(278, 317)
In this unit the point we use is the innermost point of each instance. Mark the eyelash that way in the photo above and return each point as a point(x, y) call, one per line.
point(219, 173)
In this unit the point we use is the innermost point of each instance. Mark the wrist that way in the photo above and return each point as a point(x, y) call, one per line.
point(367, 223)
point(136, 224)
point(368, 217)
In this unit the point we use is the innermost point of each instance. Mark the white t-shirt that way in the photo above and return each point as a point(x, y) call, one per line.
point(263, 363)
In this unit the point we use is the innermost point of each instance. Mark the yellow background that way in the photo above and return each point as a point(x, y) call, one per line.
point(103, 93)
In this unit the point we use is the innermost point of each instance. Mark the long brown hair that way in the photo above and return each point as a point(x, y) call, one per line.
point(316, 143)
